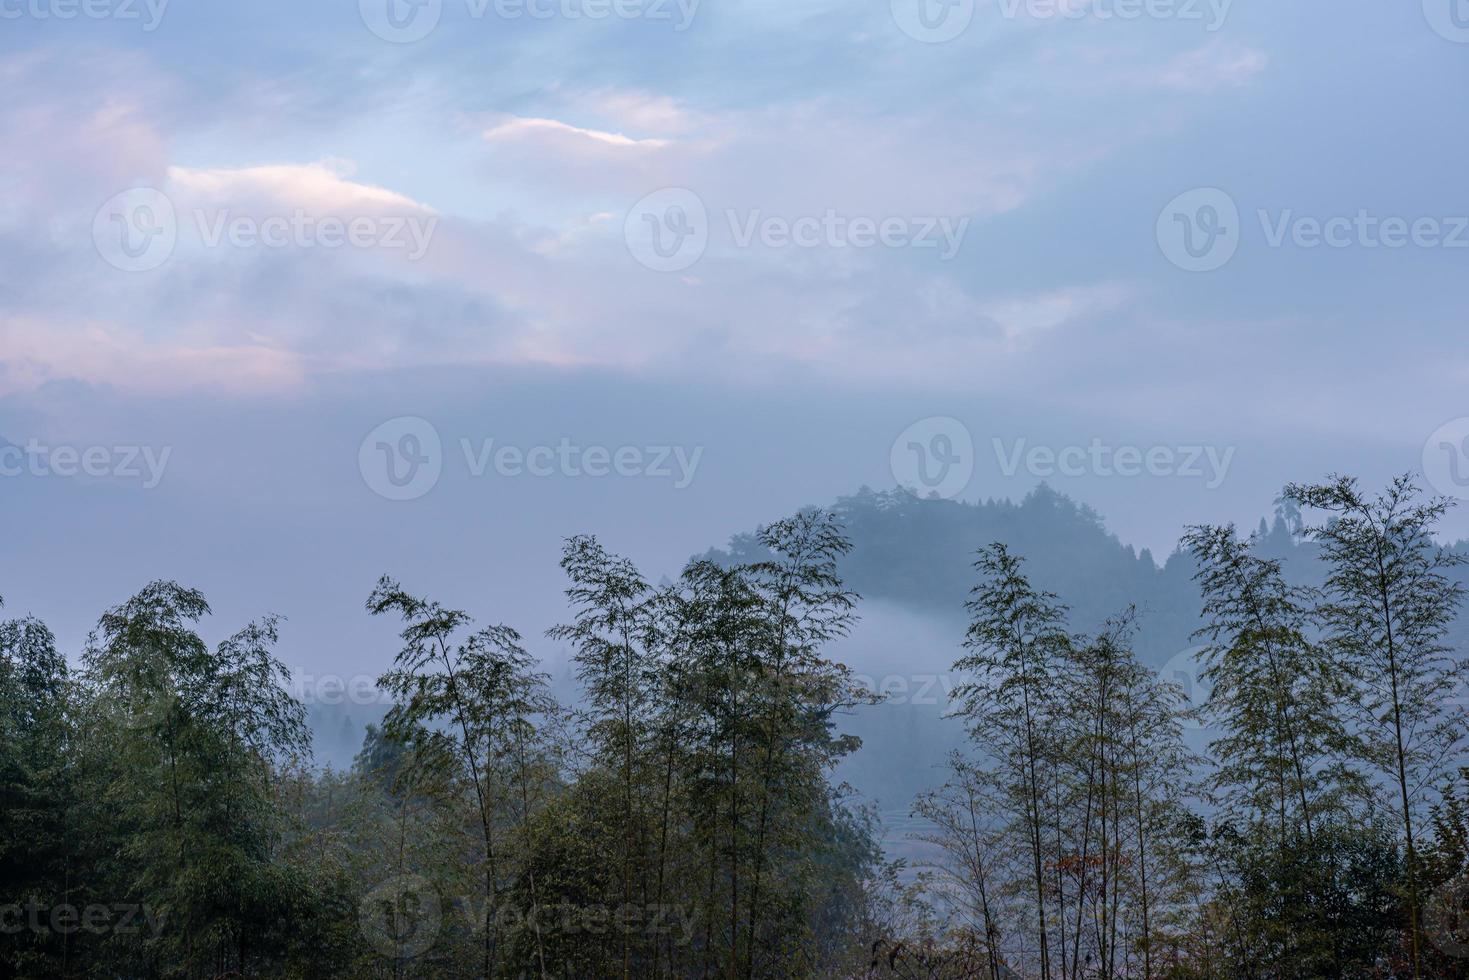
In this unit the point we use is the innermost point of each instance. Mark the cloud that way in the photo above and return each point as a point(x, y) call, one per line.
point(323, 186)
point(72, 134)
point(520, 127)
point(1211, 67)
point(1021, 317)
point(105, 354)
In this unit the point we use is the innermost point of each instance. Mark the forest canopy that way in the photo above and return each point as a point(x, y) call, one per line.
point(682, 817)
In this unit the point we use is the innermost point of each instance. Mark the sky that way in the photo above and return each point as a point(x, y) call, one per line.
point(296, 293)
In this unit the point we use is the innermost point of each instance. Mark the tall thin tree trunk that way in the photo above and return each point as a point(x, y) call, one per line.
point(1402, 773)
point(1142, 851)
point(984, 901)
point(491, 889)
point(766, 778)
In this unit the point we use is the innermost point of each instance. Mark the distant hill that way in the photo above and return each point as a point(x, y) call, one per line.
point(918, 553)
point(912, 563)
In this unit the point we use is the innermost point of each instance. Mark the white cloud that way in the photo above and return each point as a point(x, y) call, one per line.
point(1021, 317)
point(323, 185)
point(523, 127)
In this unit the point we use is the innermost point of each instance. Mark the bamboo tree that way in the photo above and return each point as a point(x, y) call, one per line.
point(484, 688)
point(1389, 606)
point(1287, 747)
point(973, 867)
point(37, 780)
point(1016, 641)
point(725, 632)
point(805, 607)
point(612, 632)
point(195, 738)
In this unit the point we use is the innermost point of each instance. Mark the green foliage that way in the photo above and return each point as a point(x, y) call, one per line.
point(161, 818)
point(1287, 759)
point(1390, 605)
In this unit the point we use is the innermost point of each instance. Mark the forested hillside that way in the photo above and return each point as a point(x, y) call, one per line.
point(918, 553)
point(686, 815)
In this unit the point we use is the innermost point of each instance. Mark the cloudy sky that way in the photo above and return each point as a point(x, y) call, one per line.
point(295, 293)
